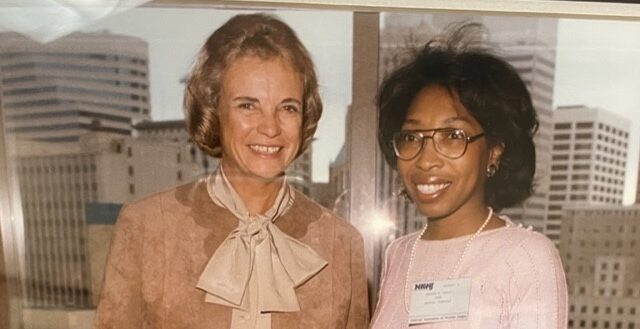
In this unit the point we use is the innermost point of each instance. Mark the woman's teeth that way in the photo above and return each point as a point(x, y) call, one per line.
point(265, 149)
point(431, 188)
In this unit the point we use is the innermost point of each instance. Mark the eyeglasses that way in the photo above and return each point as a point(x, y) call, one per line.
point(449, 142)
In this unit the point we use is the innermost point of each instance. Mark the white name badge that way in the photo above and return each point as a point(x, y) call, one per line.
point(437, 301)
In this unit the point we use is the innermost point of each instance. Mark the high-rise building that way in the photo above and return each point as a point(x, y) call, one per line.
point(588, 160)
point(529, 45)
point(84, 82)
point(174, 131)
point(599, 249)
point(339, 182)
point(299, 172)
point(339, 174)
point(57, 183)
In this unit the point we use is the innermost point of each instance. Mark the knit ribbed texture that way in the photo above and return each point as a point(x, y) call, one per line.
point(517, 279)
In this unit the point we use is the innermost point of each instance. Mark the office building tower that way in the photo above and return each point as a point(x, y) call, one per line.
point(339, 183)
point(58, 181)
point(299, 172)
point(84, 82)
point(601, 256)
point(588, 160)
point(174, 131)
point(529, 45)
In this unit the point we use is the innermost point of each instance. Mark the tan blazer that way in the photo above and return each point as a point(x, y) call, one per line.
point(163, 242)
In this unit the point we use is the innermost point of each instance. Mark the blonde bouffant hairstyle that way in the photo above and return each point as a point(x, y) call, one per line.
point(257, 35)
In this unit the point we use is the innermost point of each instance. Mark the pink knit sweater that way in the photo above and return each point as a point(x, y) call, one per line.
point(517, 280)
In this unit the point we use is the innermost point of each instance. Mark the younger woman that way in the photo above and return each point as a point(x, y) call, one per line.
point(457, 123)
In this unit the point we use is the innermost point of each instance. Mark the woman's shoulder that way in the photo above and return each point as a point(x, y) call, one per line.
point(526, 246)
point(526, 237)
point(154, 203)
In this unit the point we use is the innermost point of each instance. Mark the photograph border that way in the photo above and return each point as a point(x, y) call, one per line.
point(546, 8)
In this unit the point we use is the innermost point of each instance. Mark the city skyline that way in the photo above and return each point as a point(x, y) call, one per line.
point(586, 40)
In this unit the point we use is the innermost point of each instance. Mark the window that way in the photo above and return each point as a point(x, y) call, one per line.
point(579, 187)
point(582, 156)
point(581, 166)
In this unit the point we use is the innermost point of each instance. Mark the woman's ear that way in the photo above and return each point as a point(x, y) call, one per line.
point(495, 153)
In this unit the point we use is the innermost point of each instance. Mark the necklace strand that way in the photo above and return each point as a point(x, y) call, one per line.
point(455, 268)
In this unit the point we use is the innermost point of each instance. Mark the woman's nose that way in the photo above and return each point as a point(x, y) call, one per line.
point(428, 156)
point(269, 125)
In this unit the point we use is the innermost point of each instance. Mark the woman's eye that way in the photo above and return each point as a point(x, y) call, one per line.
point(291, 108)
point(410, 138)
point(246, 106)
point(456, 134)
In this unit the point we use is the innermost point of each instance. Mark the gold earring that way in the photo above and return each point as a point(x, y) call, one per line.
point(491, 170)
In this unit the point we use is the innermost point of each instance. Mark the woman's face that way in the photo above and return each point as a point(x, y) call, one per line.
point(260, 110)
point(440, 186)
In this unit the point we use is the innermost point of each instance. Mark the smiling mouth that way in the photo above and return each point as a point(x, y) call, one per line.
point(431, 188)
point(264, 149)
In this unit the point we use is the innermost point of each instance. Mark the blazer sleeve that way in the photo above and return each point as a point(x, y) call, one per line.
point(538, 286)
point(359, 307)
point(120, 304)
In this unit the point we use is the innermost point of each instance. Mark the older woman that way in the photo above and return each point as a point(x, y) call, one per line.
point(241, 248)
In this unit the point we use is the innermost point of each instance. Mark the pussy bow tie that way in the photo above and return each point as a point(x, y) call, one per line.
point(256, 257)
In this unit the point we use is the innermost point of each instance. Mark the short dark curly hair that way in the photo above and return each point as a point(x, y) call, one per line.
point(257, 35)
point(488, 87)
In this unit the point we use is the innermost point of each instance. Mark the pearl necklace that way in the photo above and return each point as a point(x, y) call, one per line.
point(455, 268)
